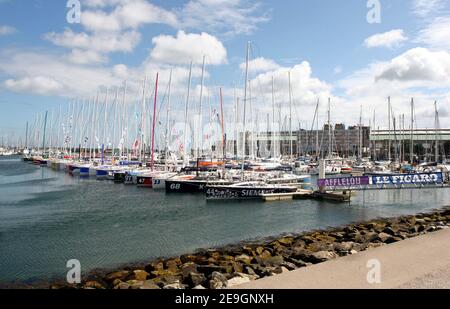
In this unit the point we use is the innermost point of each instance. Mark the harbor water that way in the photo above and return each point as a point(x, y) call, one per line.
point(49, 217)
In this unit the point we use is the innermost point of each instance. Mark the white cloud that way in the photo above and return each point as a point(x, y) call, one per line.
point(104, 42)
point(78, 56)
point(7, 30)
point(41, 85)
point(388, 39)
point(436, 34)
point(126, 15)
point(184, 48)
point(419, 65)
point(224, 17)
point(260, 65)
point(424, 8)
point(418, 73)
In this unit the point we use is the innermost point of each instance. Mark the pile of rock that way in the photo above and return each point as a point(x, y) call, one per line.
point(234, 265)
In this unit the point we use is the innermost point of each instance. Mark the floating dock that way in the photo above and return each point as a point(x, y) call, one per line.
point(344, 196)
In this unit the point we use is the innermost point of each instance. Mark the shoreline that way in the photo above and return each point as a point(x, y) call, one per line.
point(235, 264)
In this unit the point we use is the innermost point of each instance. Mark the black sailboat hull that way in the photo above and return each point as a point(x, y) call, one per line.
point(174, 186)
point(243, 193)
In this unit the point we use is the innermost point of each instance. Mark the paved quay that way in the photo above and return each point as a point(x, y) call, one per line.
point(420, 262)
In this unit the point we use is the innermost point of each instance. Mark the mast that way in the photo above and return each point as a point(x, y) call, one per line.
point(223, 124)
point(389, 128)
point(122, 125)
point(185, 157)
point(317, 130)
point(142, 145)
point(168, 119)
point(411, 145)
point(26, 137)
point(245, 105)
point(199, 137)
point(45, 128)
point(273, 119)
point(360, 135)
point(436, 121)
point(329, 129)
point(290, 118)
point(154, 122)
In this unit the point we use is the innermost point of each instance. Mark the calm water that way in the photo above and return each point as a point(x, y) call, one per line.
point(48, 217)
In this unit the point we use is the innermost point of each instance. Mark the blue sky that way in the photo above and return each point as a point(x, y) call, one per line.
point(329, 47)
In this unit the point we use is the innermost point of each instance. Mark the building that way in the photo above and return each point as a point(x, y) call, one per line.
point(425, 144)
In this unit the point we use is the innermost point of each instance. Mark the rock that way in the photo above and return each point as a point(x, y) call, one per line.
point(140, 275)
point(323, 256)
point(166, 280)
point(93, 285)
point(209, 269)
point(270, 261)
point(199, 287)
point(345, 246)
point(367, 238)
point(186, 258)
point(353, 252)
point(196, 279)
point(298, 263)
point(121, 275)
point(280, 270)
point(290, 266)
point(188, 268)
point(244, 259)
point(149, 285)
point(325, 238)
point(172, 265)
point(384, 237)
point(122, 286)
point(218, 281)
point(249, 271)
point(242, 275)
point(431, 229)
point(265, 255)
point(237, 267)
point(389, 231)
point(154, 266)
point(420, 221)
point(421, 228)
point(320, 246)
point(174, 286)
point(286, 241)
point(237, 281)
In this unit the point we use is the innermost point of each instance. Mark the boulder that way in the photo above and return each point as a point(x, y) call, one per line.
point(218, 281)
point(389, 231)
point(199, 287)
point(323, 256)
point(174, 286)
point(154, 266)
point(188, 268)
point(243, 258)
point(149, 285)
point(140, 275)
point(209, 269)
point(286, 241)
point(121, 275)
point(93, 285)
point(122, 286)
point(384, 237)
point(196, 279)
point(345, 246)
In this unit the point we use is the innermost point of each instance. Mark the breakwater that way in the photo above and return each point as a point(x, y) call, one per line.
point(236, 264)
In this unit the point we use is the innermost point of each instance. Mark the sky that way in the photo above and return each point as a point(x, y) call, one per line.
point(342, 50)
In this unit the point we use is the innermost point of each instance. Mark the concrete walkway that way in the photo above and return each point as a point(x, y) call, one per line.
point(421, 262)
